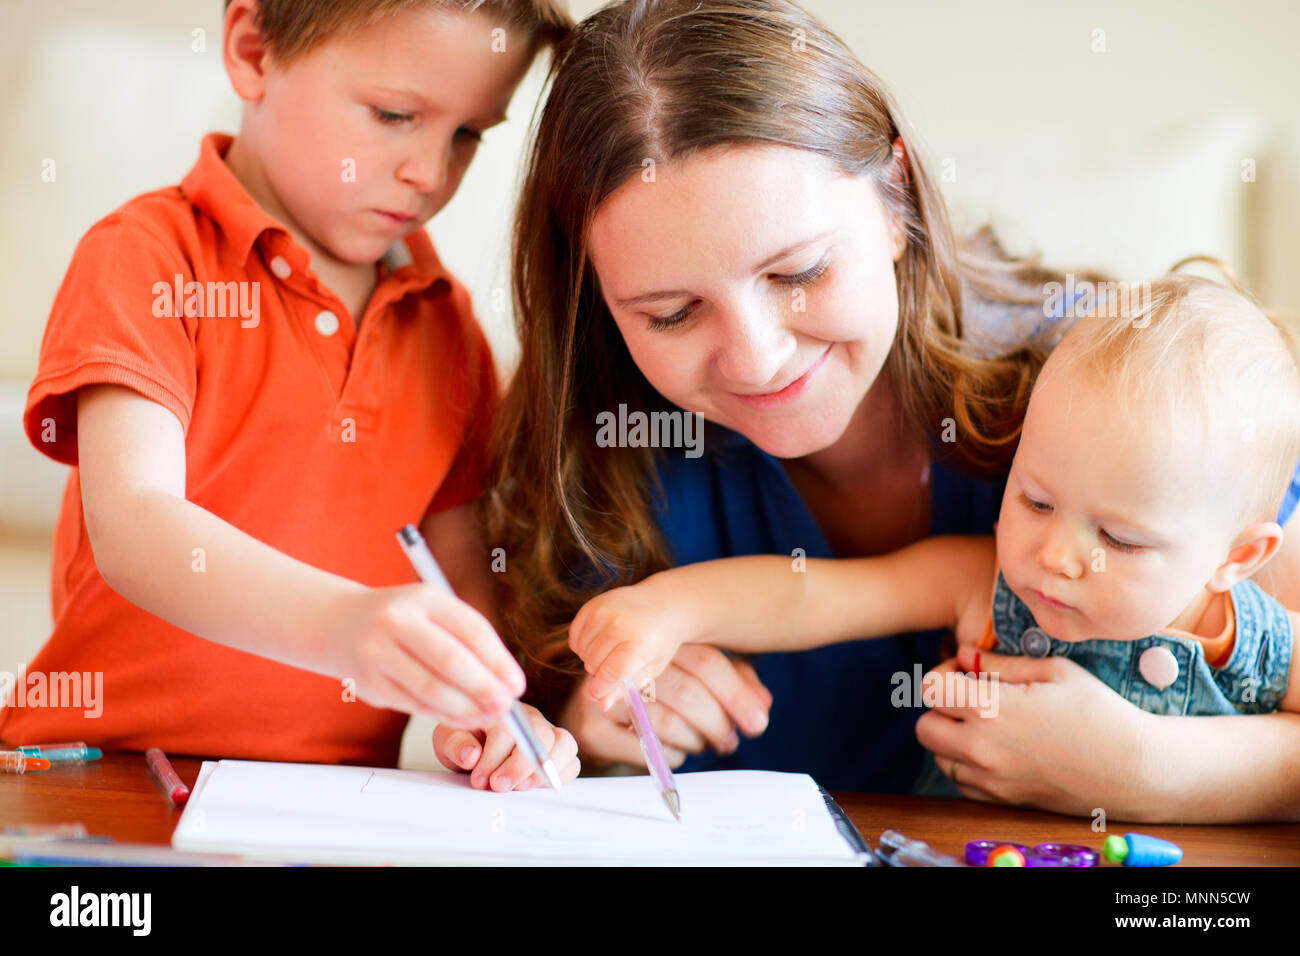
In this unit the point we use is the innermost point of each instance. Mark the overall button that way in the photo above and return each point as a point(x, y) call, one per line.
point(1158, 667)
point(1035, 642)
point(281, 268)
point(327, 323)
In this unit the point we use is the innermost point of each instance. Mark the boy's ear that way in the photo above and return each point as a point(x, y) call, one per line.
point(1251, 551)
point(242, 50)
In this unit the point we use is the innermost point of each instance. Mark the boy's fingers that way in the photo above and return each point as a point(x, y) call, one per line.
point(473, 632)
point(443, 655)
point(455, 749)
point(496, 748)
point(429, 693)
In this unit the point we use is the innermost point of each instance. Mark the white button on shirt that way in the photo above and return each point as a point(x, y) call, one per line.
point(327, 323)
point(280, 267)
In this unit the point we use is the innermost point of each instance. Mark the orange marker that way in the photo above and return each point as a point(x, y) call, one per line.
point(14, 761)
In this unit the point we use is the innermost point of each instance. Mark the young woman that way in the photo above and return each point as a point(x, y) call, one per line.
point(723, 214)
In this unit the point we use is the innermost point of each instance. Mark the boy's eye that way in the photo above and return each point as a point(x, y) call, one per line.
point(1117, 544)
point(390, 117)
point(805, 277)
point(466, 133)
point(1037, 506)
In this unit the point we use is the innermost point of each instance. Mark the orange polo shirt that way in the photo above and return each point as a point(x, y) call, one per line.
point(312, 435)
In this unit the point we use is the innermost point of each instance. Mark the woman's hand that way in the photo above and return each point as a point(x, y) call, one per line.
point(701, 700)
point(1059, 739)
point(492, 759)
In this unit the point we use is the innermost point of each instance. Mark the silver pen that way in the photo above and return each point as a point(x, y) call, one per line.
point(421, 558)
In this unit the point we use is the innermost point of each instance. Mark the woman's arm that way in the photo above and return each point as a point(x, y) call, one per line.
point(1061, 740)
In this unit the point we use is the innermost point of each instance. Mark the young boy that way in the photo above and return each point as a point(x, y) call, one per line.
point(1155, 452)
point(258, 376)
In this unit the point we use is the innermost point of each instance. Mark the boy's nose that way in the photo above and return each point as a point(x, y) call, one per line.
point(754, 349)
point(426, 169)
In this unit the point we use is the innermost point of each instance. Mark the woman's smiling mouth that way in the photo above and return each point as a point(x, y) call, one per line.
point(788, 393)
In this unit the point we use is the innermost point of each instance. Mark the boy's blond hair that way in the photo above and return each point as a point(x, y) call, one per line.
point(1191, 351)
point(292, 27)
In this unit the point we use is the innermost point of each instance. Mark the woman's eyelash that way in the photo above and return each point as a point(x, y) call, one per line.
point(805, 277)
point(390, 117)
point(659, 324)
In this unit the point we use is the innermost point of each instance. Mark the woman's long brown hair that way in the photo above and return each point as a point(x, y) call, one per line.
point(661, 80)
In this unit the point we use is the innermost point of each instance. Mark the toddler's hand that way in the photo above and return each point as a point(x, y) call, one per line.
point(421, 650)
point(493, 759)
point(625, 633)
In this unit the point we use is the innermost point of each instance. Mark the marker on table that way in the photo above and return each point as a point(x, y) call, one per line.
point(652, 750)
point(421, 558)
point(66, 754)
point(15, 761)
point(166, 775)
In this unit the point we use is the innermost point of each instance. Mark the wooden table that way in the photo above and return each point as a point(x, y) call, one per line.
point(117, 797)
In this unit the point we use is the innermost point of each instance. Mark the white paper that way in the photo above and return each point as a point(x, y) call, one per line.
point(332, 814)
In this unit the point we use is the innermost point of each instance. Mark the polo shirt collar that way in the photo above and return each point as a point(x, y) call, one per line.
point(216, 191)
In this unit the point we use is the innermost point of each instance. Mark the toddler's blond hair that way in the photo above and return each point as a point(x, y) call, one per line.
point(1182, 345)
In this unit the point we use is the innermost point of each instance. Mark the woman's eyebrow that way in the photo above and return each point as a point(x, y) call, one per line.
point(769, 261)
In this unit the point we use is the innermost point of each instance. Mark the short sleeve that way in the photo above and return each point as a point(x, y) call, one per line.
point(467, 478)
point(114, 322)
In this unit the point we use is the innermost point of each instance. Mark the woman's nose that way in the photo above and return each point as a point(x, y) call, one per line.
point(755, 347)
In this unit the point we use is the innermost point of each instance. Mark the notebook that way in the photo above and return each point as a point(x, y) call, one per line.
point(314, 813)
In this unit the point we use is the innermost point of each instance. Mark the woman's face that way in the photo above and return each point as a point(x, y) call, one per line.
point(755, 285)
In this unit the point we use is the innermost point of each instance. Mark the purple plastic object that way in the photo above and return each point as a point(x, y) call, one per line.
point(1044, 854)
point(1062, 854)
point(977, 851)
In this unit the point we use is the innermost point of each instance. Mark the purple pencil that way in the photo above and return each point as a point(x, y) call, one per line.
point(652, 750)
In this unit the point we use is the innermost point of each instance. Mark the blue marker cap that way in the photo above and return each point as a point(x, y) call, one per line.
point(1146, 850)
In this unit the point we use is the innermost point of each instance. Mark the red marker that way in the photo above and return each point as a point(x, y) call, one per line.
point(166, 776)
point(977, 663)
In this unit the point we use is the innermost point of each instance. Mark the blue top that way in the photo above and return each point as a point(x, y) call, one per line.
point(831, 715)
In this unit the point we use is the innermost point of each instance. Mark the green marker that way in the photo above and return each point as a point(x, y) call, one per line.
point(65, 754)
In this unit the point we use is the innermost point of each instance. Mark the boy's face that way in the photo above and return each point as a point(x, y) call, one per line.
point(365, 137)
point(1108, 514)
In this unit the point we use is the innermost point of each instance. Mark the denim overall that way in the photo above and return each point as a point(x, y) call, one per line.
point(1252, 681)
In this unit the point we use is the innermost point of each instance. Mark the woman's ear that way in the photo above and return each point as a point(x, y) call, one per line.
point(900, 178)
point(1249, 553)
point(242, 50)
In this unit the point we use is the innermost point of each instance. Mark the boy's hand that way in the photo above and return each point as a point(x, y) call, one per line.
point(421, 650)
point(493, 759)
point(627, 632)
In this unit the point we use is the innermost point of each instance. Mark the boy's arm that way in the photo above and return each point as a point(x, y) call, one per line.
point(200, 573)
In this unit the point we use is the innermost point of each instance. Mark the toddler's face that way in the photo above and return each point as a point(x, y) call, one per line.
point(1108, 528)
point(365, 137)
